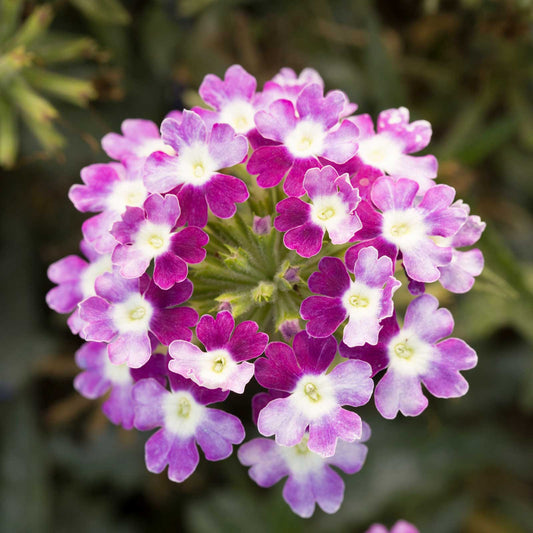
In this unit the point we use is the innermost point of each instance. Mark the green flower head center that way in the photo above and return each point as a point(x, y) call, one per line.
point(138, 313)
point(356, 300)
point(326, 213)
point(398, 230)
point(156, 241)
point(184, 408)
point(263, 292)
point(219, 364)
point(403, 350)
point(311, 391)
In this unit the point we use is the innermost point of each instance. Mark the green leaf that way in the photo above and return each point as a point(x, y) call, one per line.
point(33, 107)
point(73, 90)
point(34, 27)
point(8, 134)
point(10, 11)
point(62, 48)
point(103, 11)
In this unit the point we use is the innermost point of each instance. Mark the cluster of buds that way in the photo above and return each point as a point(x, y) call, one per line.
point(265, 237)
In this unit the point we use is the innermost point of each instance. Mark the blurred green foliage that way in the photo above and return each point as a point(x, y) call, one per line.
point(465, 65)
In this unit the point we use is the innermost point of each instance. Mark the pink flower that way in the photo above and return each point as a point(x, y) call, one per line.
point(332, 209)
point(302, 132)
point(224, 365)
point(194, 169)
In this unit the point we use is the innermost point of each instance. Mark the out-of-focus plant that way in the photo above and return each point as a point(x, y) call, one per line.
point(27, 51)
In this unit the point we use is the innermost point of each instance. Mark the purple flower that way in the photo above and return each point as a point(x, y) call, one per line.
point(409, 226)
point(224, 364)
point(304, 132)
point(147, 233)
point(289, 328)
point(200, 154)
point(365, 301)
point(185, 421)
point(386, 150)
point(108, 189)
point(400, 527)
point(458, 276)
point(99, 376)
point(262, 225)
point(287, 85)
point(126, 312)
point(413, 355)
point(234, 99)
point(311, 480)
point(75, 278)
point(332, 209)
point(139, 139)
point(315, 397)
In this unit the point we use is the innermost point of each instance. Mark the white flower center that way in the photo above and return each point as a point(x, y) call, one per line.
point(88, 277)
point(239, 114)
point(328, 211)
point(409, 354)
point(183, 413)
point(131, 193)
point(153, 239)
point(133, 315)
point(195, 165)
point(380, 151)
point(405, 228)
point(218, 365)
point(362, 301)
point(306, 139)
point(314, 395)
point(117, 374)
point(300, 459)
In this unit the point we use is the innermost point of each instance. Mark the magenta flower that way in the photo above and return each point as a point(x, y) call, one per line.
point(75, 279)
point(365, 301)
point(287, 85)
point(413, 355)
point(315, 397)
point(400, 527)
point(185, 421)
point(458, 276)
point(409, 226)
point(311, 480)
point(108, 189)
point(139, 139)
point(332, 209)
point(148, 233)
point(233, 99)
point(387, 150)
point(304, 132)
point(129, 313)
point(200, 154)
point(224, 365)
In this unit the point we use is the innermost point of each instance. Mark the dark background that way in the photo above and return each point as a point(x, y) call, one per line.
point(463, 465)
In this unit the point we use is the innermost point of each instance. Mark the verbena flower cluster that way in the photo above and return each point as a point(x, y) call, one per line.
point(266, 236)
